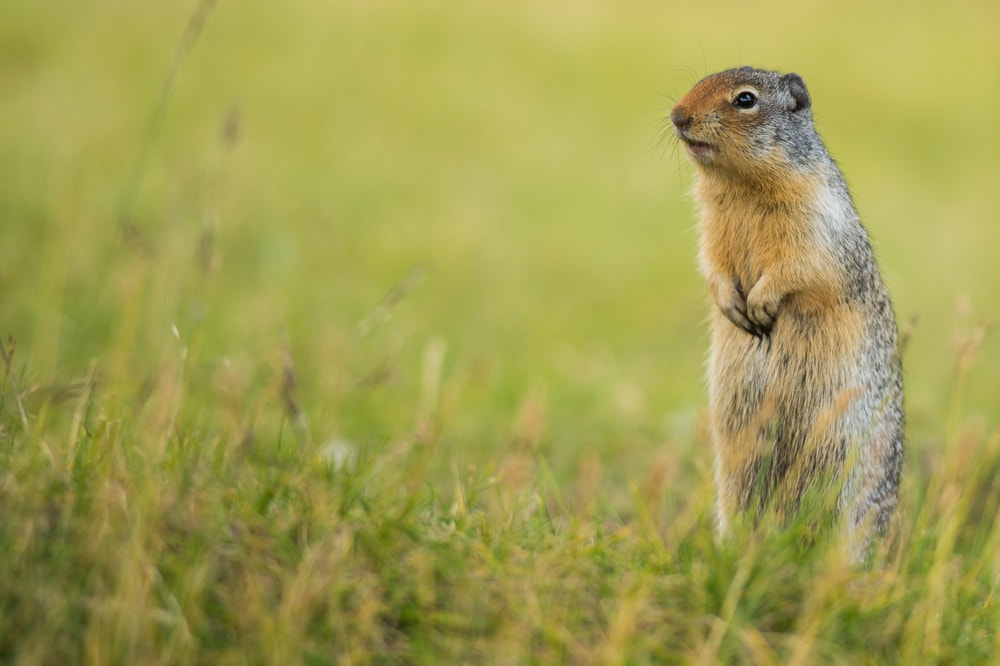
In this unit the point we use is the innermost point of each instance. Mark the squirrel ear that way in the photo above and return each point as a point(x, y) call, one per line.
point(796, 87)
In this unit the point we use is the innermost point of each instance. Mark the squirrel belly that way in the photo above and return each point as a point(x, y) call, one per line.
point(804, 375)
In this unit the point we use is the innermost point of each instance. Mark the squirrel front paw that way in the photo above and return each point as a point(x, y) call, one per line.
point(763, 303)
point(733, 303)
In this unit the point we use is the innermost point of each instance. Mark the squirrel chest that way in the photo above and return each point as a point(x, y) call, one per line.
point(747, 232)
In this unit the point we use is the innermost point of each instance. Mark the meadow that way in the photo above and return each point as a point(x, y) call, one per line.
point(371, 332)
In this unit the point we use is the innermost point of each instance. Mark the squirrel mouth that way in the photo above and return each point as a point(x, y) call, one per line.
point(698, 148)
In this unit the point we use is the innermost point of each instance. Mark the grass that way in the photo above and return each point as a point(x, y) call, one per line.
point(372, 333)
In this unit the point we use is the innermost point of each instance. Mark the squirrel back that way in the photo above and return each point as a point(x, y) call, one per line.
point(804, 374)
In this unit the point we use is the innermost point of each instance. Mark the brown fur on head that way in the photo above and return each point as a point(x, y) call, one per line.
point(746, 121)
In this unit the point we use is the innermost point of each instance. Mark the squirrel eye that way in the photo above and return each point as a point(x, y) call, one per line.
point(745, 100)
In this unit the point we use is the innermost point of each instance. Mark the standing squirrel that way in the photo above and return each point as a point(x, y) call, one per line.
point(804, 372)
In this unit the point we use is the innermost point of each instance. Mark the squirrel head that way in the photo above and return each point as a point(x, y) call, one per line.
point(747, 121)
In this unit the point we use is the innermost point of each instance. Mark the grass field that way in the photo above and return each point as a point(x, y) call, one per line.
point(371, 332)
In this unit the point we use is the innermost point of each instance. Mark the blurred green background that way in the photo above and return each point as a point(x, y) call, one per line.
point(459, 211)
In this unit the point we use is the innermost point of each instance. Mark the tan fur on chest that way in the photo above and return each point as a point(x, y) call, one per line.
point(752, 228)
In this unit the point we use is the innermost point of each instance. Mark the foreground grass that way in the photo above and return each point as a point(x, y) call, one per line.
point(134, 533)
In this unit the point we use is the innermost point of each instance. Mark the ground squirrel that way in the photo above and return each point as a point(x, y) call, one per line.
point(804, 372)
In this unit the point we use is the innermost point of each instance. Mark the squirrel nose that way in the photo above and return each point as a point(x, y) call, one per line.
point(681, 120)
